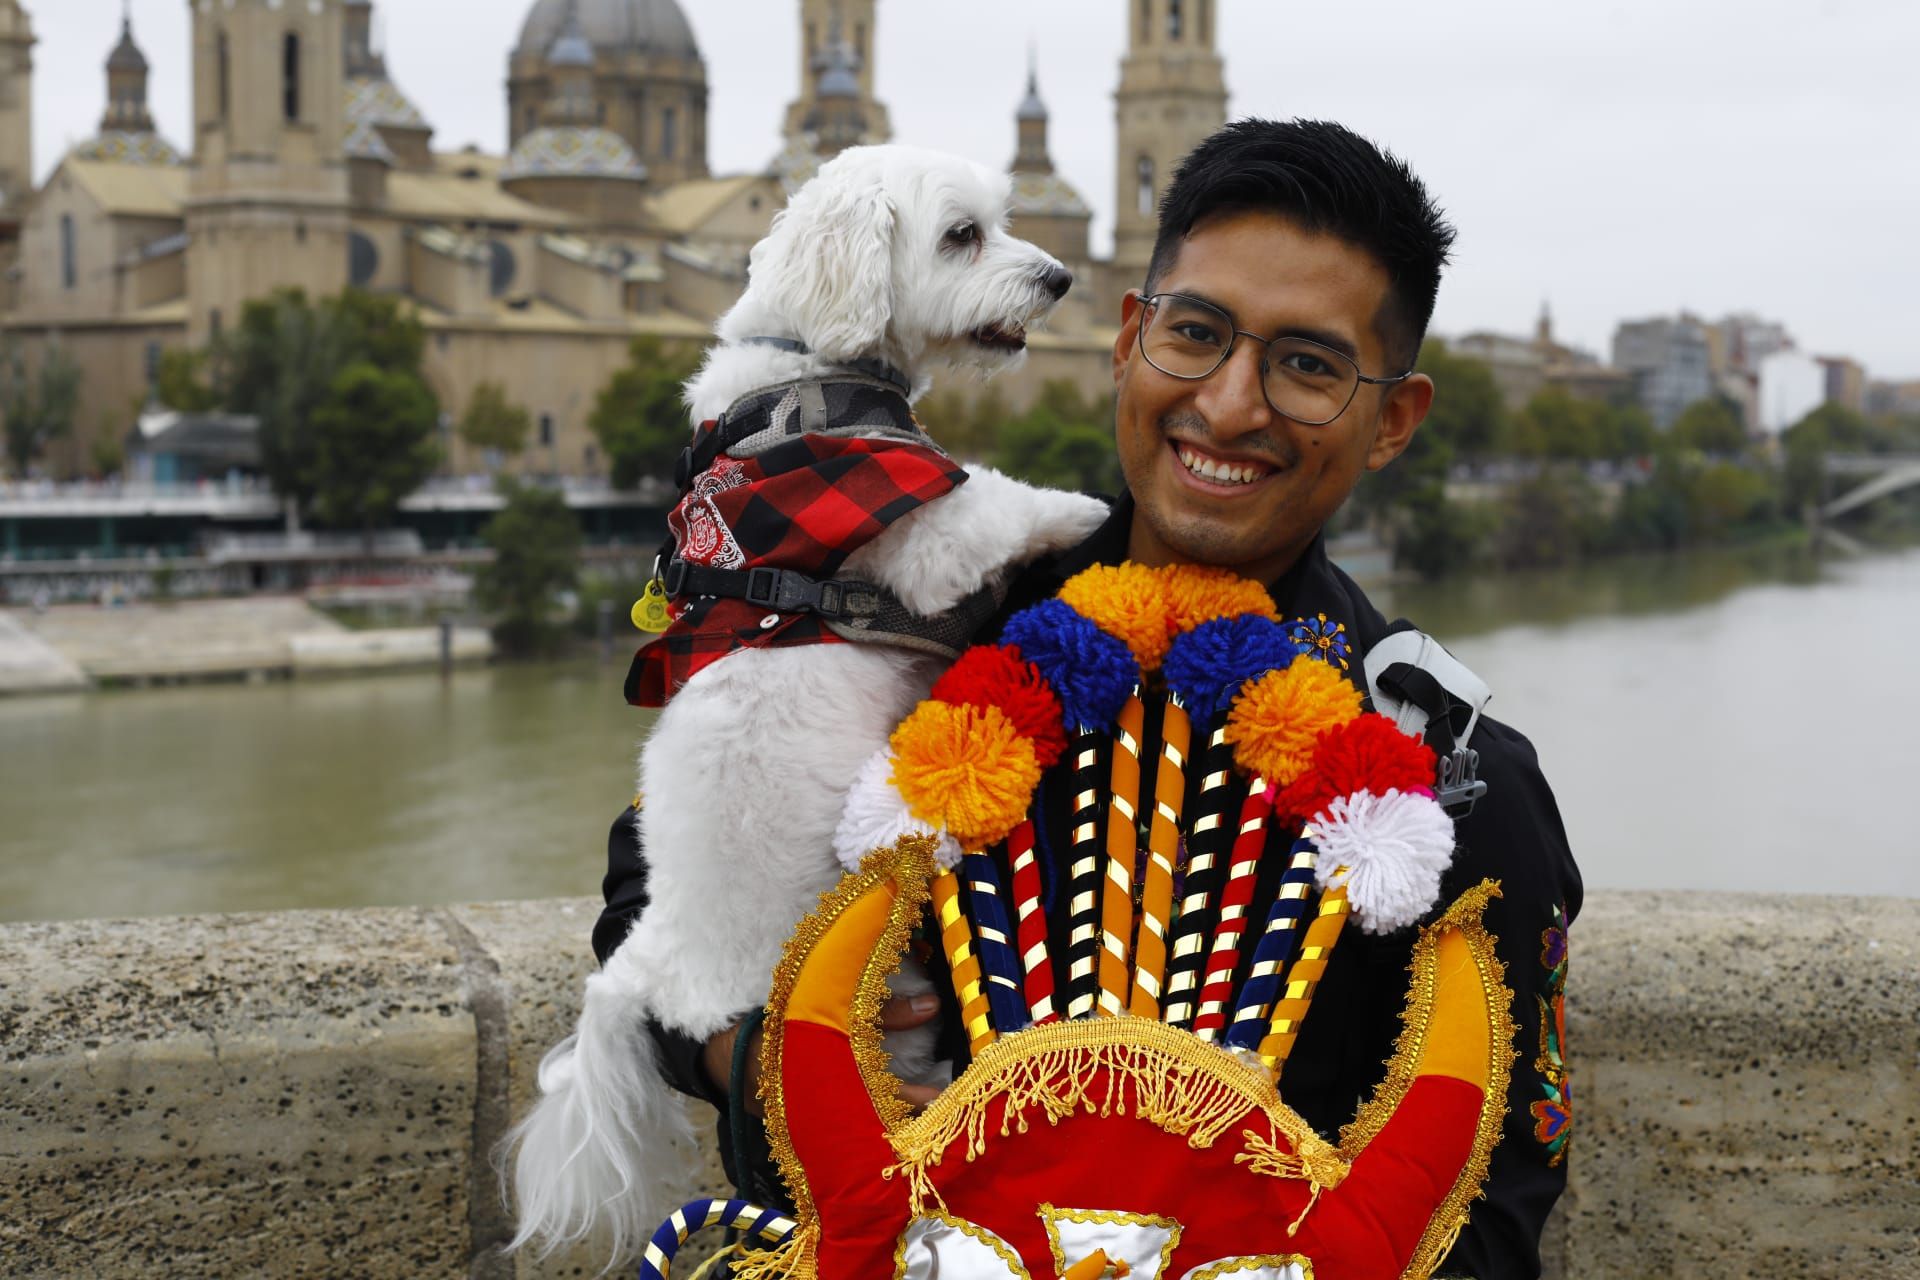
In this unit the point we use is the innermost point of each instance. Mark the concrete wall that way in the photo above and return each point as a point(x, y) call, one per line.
point(314, 1093)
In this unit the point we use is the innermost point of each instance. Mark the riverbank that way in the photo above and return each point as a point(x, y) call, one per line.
point(67, 647)
point(318, 1093)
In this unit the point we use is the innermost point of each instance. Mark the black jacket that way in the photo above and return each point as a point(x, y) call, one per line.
point(1513, 835)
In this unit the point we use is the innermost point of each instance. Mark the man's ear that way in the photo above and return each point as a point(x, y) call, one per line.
point(1406, 408)
point(1131, 310)
point(827, 267)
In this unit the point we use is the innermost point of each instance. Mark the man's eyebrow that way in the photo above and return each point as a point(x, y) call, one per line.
point(1325, 337)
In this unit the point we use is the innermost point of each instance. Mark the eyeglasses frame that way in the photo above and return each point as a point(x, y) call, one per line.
point(1149, 305)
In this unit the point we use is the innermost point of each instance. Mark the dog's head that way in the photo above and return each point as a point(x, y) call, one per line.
point(903, 254)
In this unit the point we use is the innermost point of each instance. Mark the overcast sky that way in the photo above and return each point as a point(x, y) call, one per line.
point(1614, 158)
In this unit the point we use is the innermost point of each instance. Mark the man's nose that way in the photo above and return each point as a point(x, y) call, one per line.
point(1233, 399)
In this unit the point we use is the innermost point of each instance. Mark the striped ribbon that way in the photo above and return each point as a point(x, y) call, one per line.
point(956, 938)
point(1031, 920)
point(1222, 958)
point(1262, 987)
point(1083, 879)
point(1123, 848)
point(1163, 850)
point(1214, 806)
point(994, 935)
point(1303, 977)
point(700, 1214)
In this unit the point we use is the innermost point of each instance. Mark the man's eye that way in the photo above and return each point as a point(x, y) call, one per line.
point(1308, 365)
point(1195, 332)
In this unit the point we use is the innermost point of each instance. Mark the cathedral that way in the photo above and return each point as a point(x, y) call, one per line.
point(310, 166)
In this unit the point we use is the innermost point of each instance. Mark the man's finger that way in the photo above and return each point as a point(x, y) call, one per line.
point(902, 1012)
point(918, 1096)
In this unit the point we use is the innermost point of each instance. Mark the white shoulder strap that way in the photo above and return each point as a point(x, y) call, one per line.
point(1421, 650)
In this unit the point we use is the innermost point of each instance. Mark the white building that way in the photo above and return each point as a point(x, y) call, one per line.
point(1792, 385)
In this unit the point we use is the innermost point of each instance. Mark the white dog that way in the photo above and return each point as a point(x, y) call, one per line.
point(890, 257)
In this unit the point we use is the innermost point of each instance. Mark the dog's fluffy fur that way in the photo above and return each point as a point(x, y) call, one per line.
point(890, 253)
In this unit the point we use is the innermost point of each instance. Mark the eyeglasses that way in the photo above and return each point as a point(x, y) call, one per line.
point(1304, 380)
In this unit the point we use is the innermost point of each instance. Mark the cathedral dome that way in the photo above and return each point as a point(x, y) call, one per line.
point(612, 26)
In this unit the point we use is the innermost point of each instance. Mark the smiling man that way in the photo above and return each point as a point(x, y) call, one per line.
point(1263, 367)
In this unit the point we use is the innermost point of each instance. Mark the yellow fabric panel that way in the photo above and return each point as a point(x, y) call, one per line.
point(823, 991)
point(1457, 1042)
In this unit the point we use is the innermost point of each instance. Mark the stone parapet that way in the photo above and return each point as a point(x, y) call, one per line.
point(319, 1093)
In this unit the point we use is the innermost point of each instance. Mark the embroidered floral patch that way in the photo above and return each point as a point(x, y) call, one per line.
point(1553, 1113)
point(1316, 637)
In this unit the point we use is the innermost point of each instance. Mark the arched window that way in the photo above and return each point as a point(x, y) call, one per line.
point(1176, 19)
point(290, 77)
point(669, 132)
point(1144, 192)
point(69, 254)
point(225, 75)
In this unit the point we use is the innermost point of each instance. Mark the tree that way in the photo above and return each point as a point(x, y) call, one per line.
point(373, 445)
point(639, 417)
point(1560, 425)
point(536, 545)
point(181, 382)
point(1061, 440)
point(493, 422)
point(1468, 412)
point(38, 408)
point(1711, 426)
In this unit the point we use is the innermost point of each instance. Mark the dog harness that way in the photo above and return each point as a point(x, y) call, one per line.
point(776, 493)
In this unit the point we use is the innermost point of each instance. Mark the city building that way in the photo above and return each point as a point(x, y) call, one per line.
point(310, 167)
point(1846, 382)
point(1669, 359)
point(1894, 399)
point(1523, 367)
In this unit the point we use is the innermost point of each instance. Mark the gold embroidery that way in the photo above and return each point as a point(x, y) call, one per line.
point(965, 1228)
point(1053, 1217)
point(1466, 915)
point(1231, 1265)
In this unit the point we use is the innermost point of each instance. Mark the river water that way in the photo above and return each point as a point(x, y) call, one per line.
point(1709, 721)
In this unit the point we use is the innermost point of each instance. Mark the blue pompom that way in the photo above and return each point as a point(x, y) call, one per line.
point(1091, 673)
point(1207, 666)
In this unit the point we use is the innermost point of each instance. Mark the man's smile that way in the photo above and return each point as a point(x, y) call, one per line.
point(1217, 473)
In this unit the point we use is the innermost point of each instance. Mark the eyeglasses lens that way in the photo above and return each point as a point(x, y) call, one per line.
point(1305, 381)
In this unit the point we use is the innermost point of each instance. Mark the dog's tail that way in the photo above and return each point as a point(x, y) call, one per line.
point(608, 1145)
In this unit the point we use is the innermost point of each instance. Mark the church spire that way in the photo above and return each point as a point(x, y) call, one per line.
point(570, 63)
point(838, 118)
point(1032, 155)
point(126, 82)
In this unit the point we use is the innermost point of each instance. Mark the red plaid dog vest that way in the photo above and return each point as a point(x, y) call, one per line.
point(804, 501)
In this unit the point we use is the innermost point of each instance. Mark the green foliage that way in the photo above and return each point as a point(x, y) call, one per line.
point(1551, 519)
point(968, 427)
point(373, 444)
point(494, 422)
point(1723, 497)
point(1804, 468)
point(639, 417)
point(107, 454)
point(37, 408)
point(536, 545)
point(1712, 426)
point(182, 381)
point(1841, 430)
point(1468, 413)
point(1562, 427)
point(1063, 441)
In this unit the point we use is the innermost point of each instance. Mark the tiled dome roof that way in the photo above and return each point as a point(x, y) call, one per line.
point(612, 26)
point(378, 101)
point(573, 151)
point(1046, 193)
point(121, 147)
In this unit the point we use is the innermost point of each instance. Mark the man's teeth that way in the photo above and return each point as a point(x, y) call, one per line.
point(1218, 472)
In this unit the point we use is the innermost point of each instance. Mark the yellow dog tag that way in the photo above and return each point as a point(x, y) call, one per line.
point(650, 610)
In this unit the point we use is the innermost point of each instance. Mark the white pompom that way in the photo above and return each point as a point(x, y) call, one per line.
point(1393, 848)
point(875, 816)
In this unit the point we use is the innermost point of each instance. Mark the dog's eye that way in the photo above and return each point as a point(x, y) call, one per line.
point(959, 237)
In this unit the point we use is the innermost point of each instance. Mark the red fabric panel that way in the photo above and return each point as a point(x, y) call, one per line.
point(843, 1148)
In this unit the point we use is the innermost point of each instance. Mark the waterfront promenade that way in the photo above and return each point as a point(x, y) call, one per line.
point(317, 1093)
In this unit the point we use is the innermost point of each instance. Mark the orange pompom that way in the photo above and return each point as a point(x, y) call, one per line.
point(966, 769)
point(1198, 593)
point(1128, 602)
point(1275, 720)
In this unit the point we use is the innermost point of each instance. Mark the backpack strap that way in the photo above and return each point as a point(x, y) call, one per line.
point(1431, 694)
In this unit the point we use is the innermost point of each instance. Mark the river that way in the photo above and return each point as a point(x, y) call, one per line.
point(1723, 720)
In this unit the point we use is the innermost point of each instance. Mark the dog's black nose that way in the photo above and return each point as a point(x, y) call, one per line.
point(1057, 281)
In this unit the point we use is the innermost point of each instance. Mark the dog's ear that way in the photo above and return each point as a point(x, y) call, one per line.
point(827, 267)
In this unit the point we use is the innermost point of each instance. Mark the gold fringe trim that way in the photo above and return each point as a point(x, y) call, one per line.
point(1465, 914)
point(1161, 1074)
point(797, 1258)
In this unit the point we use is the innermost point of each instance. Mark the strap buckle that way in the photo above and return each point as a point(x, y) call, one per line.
point(674, 581)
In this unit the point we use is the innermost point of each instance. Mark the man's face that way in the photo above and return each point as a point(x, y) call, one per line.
point(1274, 279)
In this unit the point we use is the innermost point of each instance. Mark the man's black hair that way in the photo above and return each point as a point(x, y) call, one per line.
point(1324, 178)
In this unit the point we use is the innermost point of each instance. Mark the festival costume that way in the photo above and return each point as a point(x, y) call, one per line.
point(1330, 1071)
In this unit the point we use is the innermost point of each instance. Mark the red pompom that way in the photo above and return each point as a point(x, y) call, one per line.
point(997, 676)
point(1367, 753)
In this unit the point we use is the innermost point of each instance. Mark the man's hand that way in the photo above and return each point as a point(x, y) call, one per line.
point(897, 1014)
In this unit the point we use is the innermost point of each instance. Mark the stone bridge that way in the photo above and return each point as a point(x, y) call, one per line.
point(1886, 473)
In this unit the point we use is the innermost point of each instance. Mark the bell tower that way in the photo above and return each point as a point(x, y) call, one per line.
point(268, 191)
point(854, 20)
point(1172, 95)
point(16, 109)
